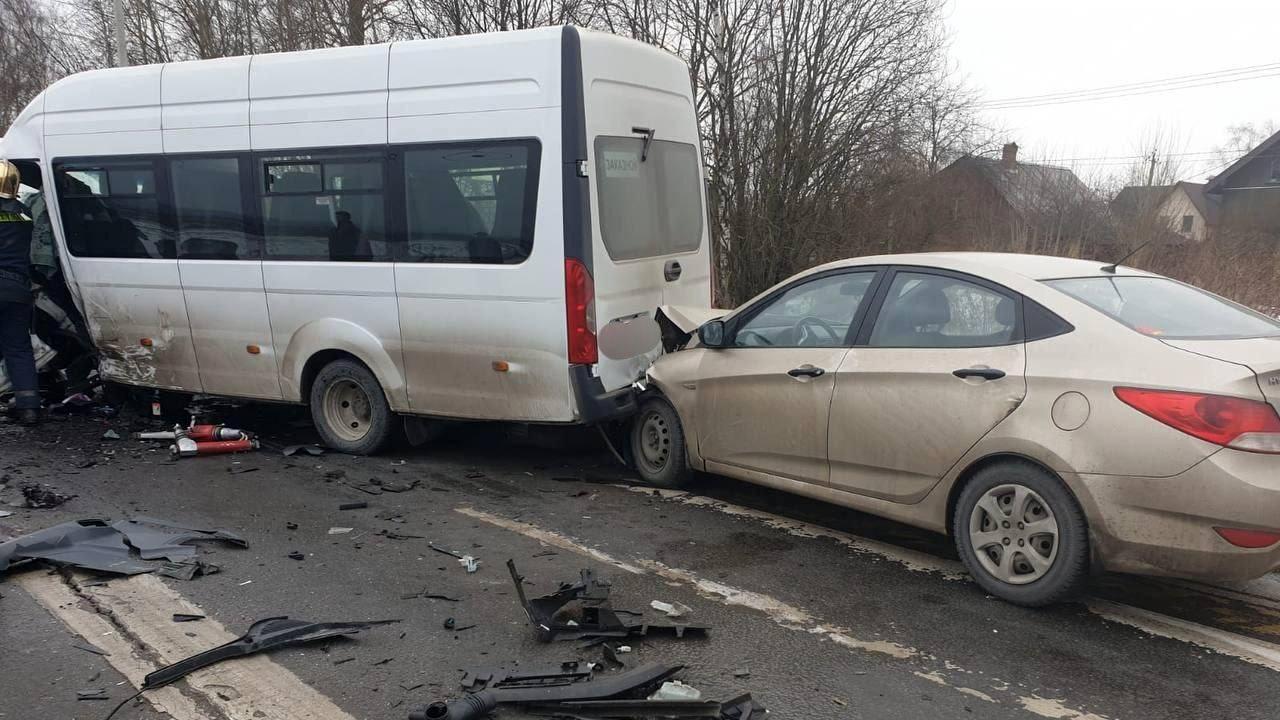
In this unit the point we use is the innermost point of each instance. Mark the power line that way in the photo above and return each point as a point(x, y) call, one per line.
point(1128, 94)
point(1179, 79)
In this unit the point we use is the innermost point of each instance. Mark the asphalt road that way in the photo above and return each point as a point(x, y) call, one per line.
point(819, 612)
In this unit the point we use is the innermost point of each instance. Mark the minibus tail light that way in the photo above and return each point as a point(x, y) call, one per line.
point(580, 300)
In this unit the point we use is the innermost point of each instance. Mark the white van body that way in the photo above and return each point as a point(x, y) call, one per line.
point(460, 309)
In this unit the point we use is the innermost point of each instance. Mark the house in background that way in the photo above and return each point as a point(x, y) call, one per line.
point(979, 203)
point(1180, 212)
point(1248, 192)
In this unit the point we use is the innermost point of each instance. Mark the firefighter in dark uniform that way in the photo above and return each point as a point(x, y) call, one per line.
point(15, 297)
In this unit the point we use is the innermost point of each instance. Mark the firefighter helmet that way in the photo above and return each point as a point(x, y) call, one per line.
point(9, 180)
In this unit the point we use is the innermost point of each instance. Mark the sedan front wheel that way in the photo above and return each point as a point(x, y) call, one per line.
point(1022, 534)
point(658, 445)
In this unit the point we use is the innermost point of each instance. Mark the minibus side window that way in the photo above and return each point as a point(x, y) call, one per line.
point(471, 203)
point(210, 213)
point(650, 201)
point(111, 210)
point(324, 207)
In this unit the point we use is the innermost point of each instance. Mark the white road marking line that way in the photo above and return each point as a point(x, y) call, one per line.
point(910, 559)
point(1240, 647)
point(1221, 641)
point(250, 688)
point(779, 612)
point(1052, 708)
point(64, 604)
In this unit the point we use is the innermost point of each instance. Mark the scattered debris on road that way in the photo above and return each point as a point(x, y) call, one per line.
point(187, 569)
point(127, 547)
point(42, 497)
point(313, 450)
point(354, 505)
point(94, 694)
point(263, 635)
point(596, 618)
point(186, 617)
point(671, 610)
point(340, 530)
point(542, 691)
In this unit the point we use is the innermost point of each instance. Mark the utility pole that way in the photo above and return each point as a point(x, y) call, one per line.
point(122, 49)
point(1151, 173)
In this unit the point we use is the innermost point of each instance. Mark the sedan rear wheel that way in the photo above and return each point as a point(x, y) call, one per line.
point(1022, 534)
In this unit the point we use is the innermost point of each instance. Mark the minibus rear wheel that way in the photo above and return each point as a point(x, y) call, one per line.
point(350, 410)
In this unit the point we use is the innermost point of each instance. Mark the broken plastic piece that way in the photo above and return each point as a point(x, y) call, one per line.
point(471, 707)
point(121, 547)
point(742, 707)
point(470, 563)
point(628, 708)
point(598, 618)
point(313, 450)
point(186, 617)
point(262, 635)
point(187, 569)
point(676, 690)
point(94, 694)
point(673, 610)
point(360, 505)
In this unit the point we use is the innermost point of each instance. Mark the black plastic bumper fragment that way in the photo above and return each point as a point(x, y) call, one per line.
point(633, 682)
point(262, 635)
point(123, 547)
point(595, 404)
point(628, 708)
point(598, 620)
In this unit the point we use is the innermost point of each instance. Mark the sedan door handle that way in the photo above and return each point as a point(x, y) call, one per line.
point(806, 370)
point(979, 372)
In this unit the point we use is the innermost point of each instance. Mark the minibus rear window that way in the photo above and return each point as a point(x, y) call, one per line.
point(650, 203)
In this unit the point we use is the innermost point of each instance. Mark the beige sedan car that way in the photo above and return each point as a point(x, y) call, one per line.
point(1052, 415)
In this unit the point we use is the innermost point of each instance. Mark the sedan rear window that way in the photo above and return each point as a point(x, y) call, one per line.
point(1166, 308)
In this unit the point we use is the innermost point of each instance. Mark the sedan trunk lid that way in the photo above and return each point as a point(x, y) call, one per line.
point(1261, 355)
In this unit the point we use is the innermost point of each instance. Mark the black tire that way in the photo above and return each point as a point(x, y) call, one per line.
point(1068, 565)
point(657, 444)
point(362, 426)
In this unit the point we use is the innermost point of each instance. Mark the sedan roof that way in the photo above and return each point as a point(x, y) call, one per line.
point(1034, 267)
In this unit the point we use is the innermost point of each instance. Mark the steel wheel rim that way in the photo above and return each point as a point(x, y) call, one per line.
point(1014, 534)
point(655, 442)
point(347, 410)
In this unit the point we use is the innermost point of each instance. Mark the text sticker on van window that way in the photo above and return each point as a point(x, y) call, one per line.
point(621, 164)
point(324, 200)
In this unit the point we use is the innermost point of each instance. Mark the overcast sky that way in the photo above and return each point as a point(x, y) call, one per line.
point(1019, 48)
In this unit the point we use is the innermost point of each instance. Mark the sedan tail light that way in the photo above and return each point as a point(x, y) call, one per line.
point(1249, 425)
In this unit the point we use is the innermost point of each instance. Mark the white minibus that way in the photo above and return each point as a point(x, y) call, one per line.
point(477, 227)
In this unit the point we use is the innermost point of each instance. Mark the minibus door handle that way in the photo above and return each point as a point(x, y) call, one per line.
point(671, 271)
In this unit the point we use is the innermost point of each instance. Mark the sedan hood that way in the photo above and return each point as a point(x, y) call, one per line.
point(688, 318)
point(1261, 355)
point(679, 322)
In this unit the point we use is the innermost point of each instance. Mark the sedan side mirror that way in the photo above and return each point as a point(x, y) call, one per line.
point(711, 334)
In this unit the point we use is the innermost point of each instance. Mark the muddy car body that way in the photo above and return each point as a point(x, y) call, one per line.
point(970, 380)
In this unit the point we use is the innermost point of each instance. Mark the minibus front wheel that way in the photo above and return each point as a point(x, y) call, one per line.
point(349, 409)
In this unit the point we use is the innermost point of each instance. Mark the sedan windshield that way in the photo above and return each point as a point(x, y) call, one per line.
point(1165, 308)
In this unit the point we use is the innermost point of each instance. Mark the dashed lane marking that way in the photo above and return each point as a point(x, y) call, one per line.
point(1241, 647)
point(131, 618)
point(792, 618)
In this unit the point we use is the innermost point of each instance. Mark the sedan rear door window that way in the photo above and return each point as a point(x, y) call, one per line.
point(940, 311)
point(1165, 308)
